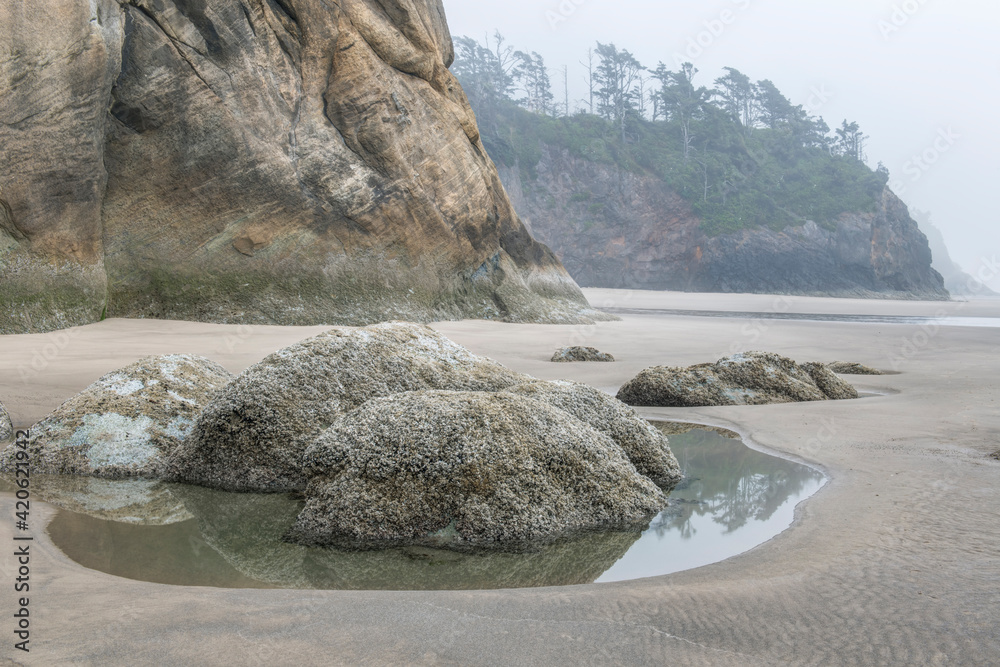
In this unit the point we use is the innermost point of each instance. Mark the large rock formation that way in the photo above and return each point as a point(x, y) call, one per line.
point(252, 436)
point(620, 229)
point(127, 423)
point(752, 378)
point(290, 161)
point(465, 469)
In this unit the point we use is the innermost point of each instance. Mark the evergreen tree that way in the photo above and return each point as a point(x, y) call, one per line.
point(617, 75)
point(739, 98)
point(775, 109)
point(850, 141)
point(682, 103)
point(533, 78)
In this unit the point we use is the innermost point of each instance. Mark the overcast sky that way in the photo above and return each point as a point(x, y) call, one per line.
point(919, 76)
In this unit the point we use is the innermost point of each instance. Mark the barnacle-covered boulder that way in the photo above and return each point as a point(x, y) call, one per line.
point(465, 469)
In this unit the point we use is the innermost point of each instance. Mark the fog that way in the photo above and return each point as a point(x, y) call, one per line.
point(919, 76)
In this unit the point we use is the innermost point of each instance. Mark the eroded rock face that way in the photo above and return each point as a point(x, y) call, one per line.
point(58, 62)
point(852, 368)
point(465, 469)
point(126, 423)
point(644, 446)
point(293, 162)
point(613, 228)
point(252, 436)
point(572, 354)
point(753, 378)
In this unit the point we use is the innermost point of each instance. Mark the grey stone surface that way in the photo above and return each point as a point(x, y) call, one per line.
point(465, 469)
point(128, 422)
point(645, 446)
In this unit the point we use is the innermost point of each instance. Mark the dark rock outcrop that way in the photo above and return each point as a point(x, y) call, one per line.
point(575, 354)
point(619, 229)
point(247, 161)
point(128, 422)
point(753, 378)
point(465, 469)
point(252, 436)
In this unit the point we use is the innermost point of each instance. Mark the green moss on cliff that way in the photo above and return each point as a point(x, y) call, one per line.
point(352, 291)
point(39, 296)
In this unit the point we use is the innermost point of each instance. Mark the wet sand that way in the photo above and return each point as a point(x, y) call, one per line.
point(896, 561)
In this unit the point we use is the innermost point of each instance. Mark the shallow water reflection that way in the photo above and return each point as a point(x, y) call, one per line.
point(732, 499)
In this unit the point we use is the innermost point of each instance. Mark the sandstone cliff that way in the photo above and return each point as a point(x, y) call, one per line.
point(285, 161)
point(620, 229)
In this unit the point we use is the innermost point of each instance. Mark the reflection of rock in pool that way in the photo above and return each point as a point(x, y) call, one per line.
point(578, 559)
point(174, 554)
point(246, 530)
point(138, 501)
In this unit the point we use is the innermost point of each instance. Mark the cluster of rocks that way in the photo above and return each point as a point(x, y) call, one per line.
point(395, 434)
point(252, 436)
point(752, 378)
point(571, 354)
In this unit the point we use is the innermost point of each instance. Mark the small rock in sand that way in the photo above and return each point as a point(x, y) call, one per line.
point(570, 354)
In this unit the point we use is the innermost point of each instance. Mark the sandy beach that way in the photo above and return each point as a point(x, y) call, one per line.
point(896, 561)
